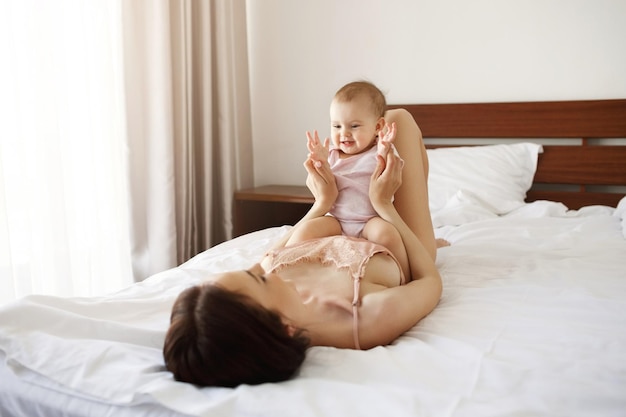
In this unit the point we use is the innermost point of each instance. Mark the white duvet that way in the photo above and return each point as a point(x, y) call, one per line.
point(532, 321)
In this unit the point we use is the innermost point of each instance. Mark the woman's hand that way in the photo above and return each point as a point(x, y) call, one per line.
point(321, 181)
point(385, 181)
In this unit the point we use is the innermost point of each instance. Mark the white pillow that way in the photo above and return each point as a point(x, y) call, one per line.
point(499, 175)
point(462, 208)
point(620, 211)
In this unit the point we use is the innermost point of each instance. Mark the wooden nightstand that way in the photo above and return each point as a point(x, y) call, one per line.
point(270, 205)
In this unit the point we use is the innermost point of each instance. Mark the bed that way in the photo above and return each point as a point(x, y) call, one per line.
point(532, 320)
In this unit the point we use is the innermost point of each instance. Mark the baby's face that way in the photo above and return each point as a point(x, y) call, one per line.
point(353, 125)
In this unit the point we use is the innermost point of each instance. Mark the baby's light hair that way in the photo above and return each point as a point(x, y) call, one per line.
point(354, 89)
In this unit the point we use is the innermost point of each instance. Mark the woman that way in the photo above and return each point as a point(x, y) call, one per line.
point(254, 326)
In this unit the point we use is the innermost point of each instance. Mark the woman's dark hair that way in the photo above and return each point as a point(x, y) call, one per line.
point(221, 338)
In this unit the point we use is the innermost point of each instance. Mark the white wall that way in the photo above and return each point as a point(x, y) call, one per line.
point(420, 51)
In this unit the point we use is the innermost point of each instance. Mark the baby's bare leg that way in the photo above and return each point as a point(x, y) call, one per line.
point(315, 228)
point(411, 199)
point(384, 233)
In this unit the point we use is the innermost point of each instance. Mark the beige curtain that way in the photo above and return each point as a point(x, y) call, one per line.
point(188, 124)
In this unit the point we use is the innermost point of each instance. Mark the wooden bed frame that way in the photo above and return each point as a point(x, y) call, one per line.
point(591, 172)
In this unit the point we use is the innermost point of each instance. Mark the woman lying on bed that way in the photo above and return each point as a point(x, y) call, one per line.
point(255, 326)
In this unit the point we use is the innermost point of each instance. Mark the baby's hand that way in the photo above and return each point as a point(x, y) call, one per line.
point(385, 144)
point(317, 152)
point(385, 140)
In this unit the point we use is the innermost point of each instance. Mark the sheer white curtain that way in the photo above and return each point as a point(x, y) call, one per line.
point(63, 175)
point(124, 130)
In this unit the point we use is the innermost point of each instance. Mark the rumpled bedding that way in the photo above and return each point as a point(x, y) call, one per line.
point(531, 322)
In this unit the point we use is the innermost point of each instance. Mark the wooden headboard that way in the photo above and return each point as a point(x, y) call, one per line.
point(588, 168)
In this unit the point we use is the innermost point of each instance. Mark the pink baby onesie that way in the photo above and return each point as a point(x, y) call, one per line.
point(353, 207)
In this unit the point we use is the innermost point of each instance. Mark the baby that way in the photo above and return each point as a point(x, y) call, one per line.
point(357, 125)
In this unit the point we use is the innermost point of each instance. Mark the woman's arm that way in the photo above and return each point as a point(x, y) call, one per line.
point(387, 314)
point(384, 182)
point(321, 181)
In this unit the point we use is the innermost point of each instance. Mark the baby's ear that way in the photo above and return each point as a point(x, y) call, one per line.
point(380, 124)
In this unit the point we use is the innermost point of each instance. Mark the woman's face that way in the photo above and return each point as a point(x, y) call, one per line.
point(269, 290)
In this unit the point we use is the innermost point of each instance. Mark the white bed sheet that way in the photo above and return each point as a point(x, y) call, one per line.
point(531, 322)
